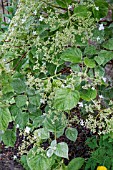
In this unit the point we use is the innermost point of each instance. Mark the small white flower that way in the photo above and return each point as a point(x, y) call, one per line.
point(17, 126)
point(93, 88)
point(97, 8)
point(12, 29)
point(101, 96)
point(14, 157)
point(62, 86)
point(98, 38)
point(101, 19)
point(8, 20)
point(35, 137)
point(15, 24)
point(101, 27)
point(81, 122)
point(42, 101)
point(27, 103)
point(70, 7)
point(23, 20)
point(39, 134)
point(69, 86)
point(104, 79)
point(41, 18)
point(35, 12)
point(27, 129)
point(80, 104)
point(34, 32)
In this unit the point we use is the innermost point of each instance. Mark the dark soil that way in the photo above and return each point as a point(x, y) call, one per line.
point(7, 161)
point(76, 149)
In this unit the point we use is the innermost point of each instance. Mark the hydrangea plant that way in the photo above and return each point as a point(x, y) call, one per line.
point(53, 60)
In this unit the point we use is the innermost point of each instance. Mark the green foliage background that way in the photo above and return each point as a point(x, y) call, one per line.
point(44, 39)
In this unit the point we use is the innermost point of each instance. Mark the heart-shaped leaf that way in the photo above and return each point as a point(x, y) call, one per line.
point(73, 55)
point(62, 150)
point(71, 133)
point(66, 99)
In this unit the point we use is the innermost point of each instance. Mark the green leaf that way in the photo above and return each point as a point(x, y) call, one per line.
point(42, 133)
point(90, 50)
point(104, 57)
point(10, 9)
point(71, 133)
point(76, 164)
point(9, 138)
point(62, 150)
point(38, 121)
point(81, 11)
point(5, 118)
point(108, 44)
point(100, 71)
point(23, 161)
point(35, 100)
point(61, 167)
point(5, 80)
point(99, 60)
point(92, 142)
point(75, 67)
point(73, 55)
point(30, 91)
point(21, 100)
point(55, 125)
point(22, 119)
point(89, 62)
point(88, 94)
point(14, 110)
point(103, 9)
point(51, 68)
point(18, 85)
point(50, 152)
point(38, 161)
point(63, 3)
point(66, 99)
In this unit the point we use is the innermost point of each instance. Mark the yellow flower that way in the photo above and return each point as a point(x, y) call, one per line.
point(101, 168)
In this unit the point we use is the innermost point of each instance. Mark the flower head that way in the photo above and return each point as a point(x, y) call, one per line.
point(101, 96)
point(101, 27)
point(27, 129)
point(104, 79)
point(14, 157)
point(93, 88)
point(97, 8)
point(41, 18)
point(35, 12)
point(70, 7)
point(80, 104)
point(101, 168)
point(98, 38)
point(17, 126)
point(81, 122)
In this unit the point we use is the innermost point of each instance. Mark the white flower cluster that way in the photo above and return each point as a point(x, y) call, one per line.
point(102, 123)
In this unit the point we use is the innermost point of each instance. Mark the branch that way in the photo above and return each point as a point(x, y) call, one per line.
point(19, 61)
